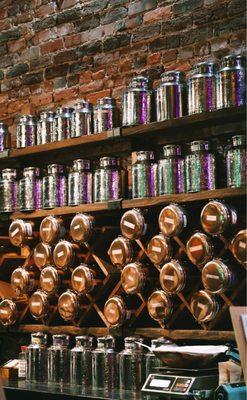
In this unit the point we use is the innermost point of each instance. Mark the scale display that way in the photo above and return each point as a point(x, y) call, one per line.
point(164, 383)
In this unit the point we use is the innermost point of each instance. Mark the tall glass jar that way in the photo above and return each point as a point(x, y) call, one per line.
point(144, 175)
point(202, 88)
point(26, 132)
point(236, 162)
point(171, 96)
point(137, 102)
point(8, 190)
point(36, 357)
point(80, 183)
point(59, 360)
point(171, 174)
point(5, 139)
point(54, 187)
point(109, 180)
point(81, 362)
point(104, 362)
point(82, 119)
point(30, 190)
point(105, 115)
point(152, 361)
point(200, 167)
point(45, 127)
point(232, 81)
point(62, 124)
point(132, 372)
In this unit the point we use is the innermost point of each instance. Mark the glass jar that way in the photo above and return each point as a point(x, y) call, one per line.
point(82, 119)
point(69, 306)
point(26, 132)
point(172, 220)
point(144, 175)
point(81, 227)
point(23, 280)
point(200, 167)
point(45, 127)
point(54, 187)
point(81, 362)
point(22, 365)
point(217, 217)
point(42, 255)
point(153, 363)
point(134, 277)
point(160, 306)
point(109, 180)
point(36, 357)
point(116, 312)
point(232, 81)
point(171, 174)
point(171, 96)
point(137, 99)
point(121, 251)
point(199, 249)
point(217, 277)
point(20, 232)
point(236, 162)
point(30, 190)
point(173, 277)
point(202, 86)
point(40, 305)
point(5, 138)
point(83, 279)
point(64, 254)
point(59, 360)
point(104, 362)
point(51, 229)
point(105, 115)
point(204, 306)
point(49, 280)
point(159, 249)
point(239, 247)
point(8, 312)
point(80, 183)
point(8, 190)
point(62, 124)
point(132, 365)
point(133, 225)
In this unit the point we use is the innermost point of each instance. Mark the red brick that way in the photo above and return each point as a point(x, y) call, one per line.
point(112, 69)
point(93, 97)
point(154, 58)
point(44, 36)
point(86, 77)
point(16, 45)
point(42, 99)
point(64, 29)
point(160, 13)
point(72, 40)
point(98, 74)
point(66, 94)
point(68, 3)
point(93, 86)
point(125, 65)
point(14, 106)
point(3, 98)
point(52, 46)
point(169, 55)
point(46, 9)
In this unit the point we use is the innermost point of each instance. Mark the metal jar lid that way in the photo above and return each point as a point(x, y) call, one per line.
point(42, 255)
point(239, 247)
point(8, 312)
point(121, 251)
point(20, 232)
point(64, 254)
point(144, 156)
point(49, 229)
point(216, 217)
point(60, 340)
point(82, 279)
point(81, 165)
point(81, 227)
point(173, 77)
point(49, 280)
point(39, 305)
point(68, 306)
point(115, 311)
point(108, 162)
point(106, 101)
point(159, 305)
point(83, 106)
point(203, 68)
point(84, 341)
point(55, 169)
point(9, 173)
point(132, 224)
point(172, 150)
point(64, 111)
point(172, 220)
point(139, 82)
point(203, 306)
point(172, 277)
point(199, 249)
point(199, 145)
point(233, 61)
point(216, 276)
point(20, 281)
point(238, 140)
point(133, 278)
point(159, 249)
point(31, 172)
point(39, 339)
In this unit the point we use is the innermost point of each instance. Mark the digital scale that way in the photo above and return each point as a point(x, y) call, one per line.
point(173, 383)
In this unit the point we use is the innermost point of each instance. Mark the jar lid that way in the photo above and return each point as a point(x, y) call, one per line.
point(55, 169)
point(9, 173)
point(49, 229)
point(233, 60)
point(50, 114)
point(109, 161)
point(159, 249)
point(139, 82)
point(238, 140)
point(49, 280)
point(121, 251)
point(39, 304)
point(159, 342)
point(23, 118)
point(82, 105)
point(133, 278)
point(60, 340)
point(203, 306)
point(204, 68)
point(115, 311)
point(132, 342)
point(43, 115)
point(81, 165)
point(31, 172)
point(64, 110)
point(84, 341)
point(39, 339)
point(173, 77)
point(145, 155)
point(159, 305)
point(8, 312)
point(216, 217)
point(63, 254)
point(81, 227)
point(172, 220)
point(82, 279)
point(106, 101)
point(68, 306)
point(42, 255)
point(31, 119)
point(199, 249)
point(239, 247)
point(199, 145)
point(19, 232)
point(132, 224)
point(20, 281)
point(216, 276)
point(172, 150)
point(172, 277)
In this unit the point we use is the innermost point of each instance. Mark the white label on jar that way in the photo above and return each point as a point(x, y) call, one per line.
point(78, 279)
point(211, 218)
point(3, 312)
point(35, 304)
point(47, 280)
point(117, 252)
point(15, 232)
point(22, 369)
point(169, 278)
point(242, 245)
point(212, 276)
point(196, 248)
point(201, 306)
point(169, 220)
point(17, 280)
point(60, 254)
point(157, 249)
point(47, 229)
point(40, 255)
point(77, 227)
point(129, 224)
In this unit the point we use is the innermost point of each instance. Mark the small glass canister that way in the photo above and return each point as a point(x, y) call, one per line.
point(217, 277)
point(159, 249)
point(232, 81)
point(82, 119)
point(8, 312)
point(105, 115)
point(133, 225)
point(45, 127)
point(239, 247)
point(173, 277)
point(54, 187)
point(40, 305)
point(42, 255)
point(51, 229)
point(80, 183)
point(109, 180)
point(69, 306)
point(160, 306)
point(199, 249)
point(83, 279)
point(65, 254)
point(137, 101)
point(62, 124)
point(8, 190)
point(121, 251)
point(200, 168)
point(134, 277)
point(202, 87)
point(36, 357)
point(144, 175)
point(59, 360)
point(81, 227)
point(171, 96)
point(204, 306)
point(49, 280)
point(217, 217)
point(5, 139)
point(171, 172)
point(23, 280)
point(30, 190)
point(172, 220)
point(81, 362)
point(236, 162)
point(152, 361)
point(26, 132)
point(20, 232)
point(116, 311)
point(105, 367)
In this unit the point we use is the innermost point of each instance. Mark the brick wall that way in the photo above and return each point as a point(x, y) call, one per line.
point(54, 52)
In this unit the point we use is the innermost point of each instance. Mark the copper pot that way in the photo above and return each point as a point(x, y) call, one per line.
point(115, 311)
point(173, 277)
point(204, 306)
point(81, 228)
point(69, 306)
point(172, 220)
point(22, 281)
point(239, 247)
point(159, 249)
point(39, 305)
point(159, 306)
point(20, 232)
point(133, 224)
point(50, 280)
point(217, 277)
point(133, 278)
point(8, 312)
point(199, 249)
point(217, 217)
point(121, 251)
point(83, 279)
point(64, 254)
point(51, 229)
point(42, 255)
